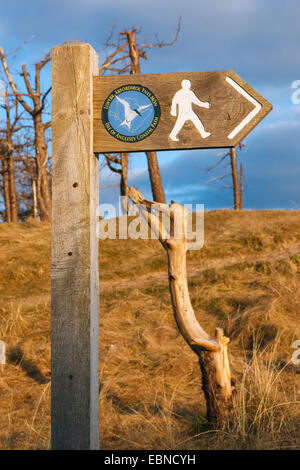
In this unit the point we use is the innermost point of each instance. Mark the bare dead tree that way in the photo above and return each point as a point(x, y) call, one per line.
point(5, 183)
point(118, 163)
point(211, 350)
point(153, 167)
point(28, 177)
point(10, 126)
point(8, 166)
point(237, 177)
point(235, 180)
point(38, 99)
point(241, 186)
point(126, 57)
point(121, 160)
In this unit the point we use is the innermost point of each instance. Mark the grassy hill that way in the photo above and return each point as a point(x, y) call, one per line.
point(245, 279)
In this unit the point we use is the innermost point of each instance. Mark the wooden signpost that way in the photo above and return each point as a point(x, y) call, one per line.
point(90, 115)
point(75, 279)
point(179, 111)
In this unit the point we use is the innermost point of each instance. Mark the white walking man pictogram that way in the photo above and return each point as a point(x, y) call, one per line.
point(184, 99)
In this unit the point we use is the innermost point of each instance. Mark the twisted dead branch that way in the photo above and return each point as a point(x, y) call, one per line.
point(211, 350)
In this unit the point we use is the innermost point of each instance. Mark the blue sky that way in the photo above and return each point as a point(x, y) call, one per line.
point(258, 39)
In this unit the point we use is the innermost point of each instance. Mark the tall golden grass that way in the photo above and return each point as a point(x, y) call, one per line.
point(245, 279)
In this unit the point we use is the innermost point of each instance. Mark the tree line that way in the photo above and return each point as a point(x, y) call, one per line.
point(25, 122)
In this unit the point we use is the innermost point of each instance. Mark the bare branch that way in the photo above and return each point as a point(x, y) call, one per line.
point(13, 85)
point(21, 94)
point(109, 59)
point(110, 186)
point(109, 66)
point(27, 82)
point(153, 221)
point(110, 35)
point(22, 45)
point(162, 43)
point(216, 164)
point(124, 57)
point(109, 160)
point(44, 61)
point(44, 98)
point(123, 70)
point(38, 68)
point(188, 325)
point(112, 159)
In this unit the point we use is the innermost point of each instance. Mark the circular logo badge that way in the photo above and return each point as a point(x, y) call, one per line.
point(131, 113)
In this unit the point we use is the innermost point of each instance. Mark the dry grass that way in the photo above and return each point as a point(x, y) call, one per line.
point(245, 279)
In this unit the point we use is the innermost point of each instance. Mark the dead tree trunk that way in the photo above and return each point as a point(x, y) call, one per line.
point(11, 168)
point(43, 185)
point(5, 182)
point(211, 351)
point(236, 191)
point(34, 197)
point(153, 167)
point(7, 148)
point(12, 189)
point(124, 173)
point(38, 99)
point(241, 186)
point(155, 178)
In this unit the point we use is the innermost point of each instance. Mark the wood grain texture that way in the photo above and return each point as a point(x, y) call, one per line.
point(211, 350)
point(227, 109)
point(75, 289)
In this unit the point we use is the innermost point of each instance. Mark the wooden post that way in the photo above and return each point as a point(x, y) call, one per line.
point(75, 284)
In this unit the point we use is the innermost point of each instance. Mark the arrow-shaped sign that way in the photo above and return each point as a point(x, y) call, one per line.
point(174, 111)
point(257, 108)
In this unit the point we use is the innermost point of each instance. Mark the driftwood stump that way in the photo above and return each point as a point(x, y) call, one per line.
point(211, 351)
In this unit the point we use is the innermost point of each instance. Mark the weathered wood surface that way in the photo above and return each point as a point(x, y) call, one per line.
point(228, 108)
point(75, 289)
point(211, 350)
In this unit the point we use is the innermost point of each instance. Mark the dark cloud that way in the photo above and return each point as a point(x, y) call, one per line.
point(271, 167)
point(259, 39)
